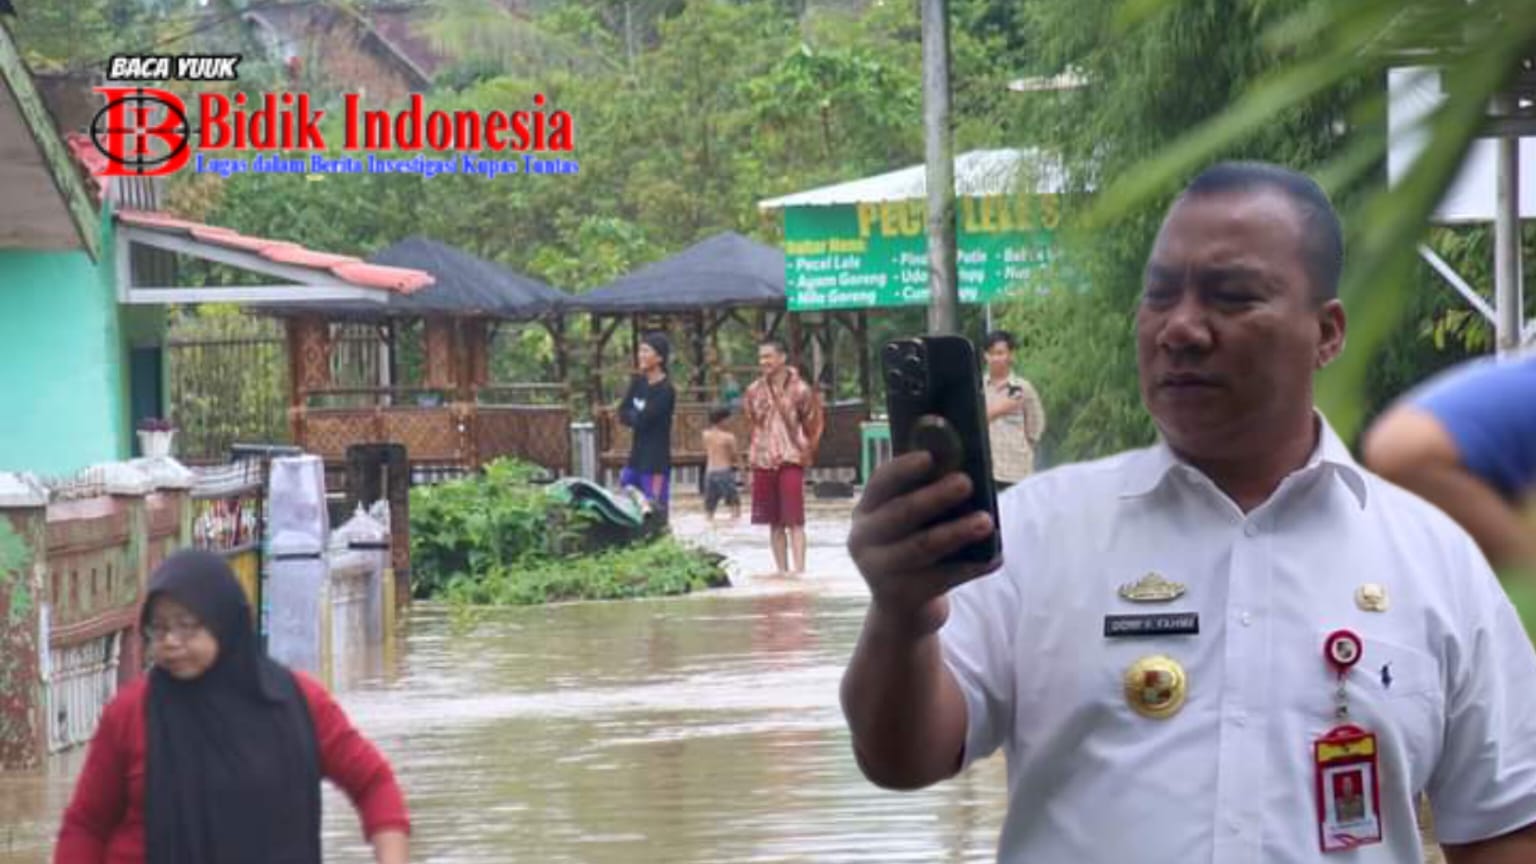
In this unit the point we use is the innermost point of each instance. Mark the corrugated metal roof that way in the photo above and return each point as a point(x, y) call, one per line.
point(348, 269)
point(977, 172)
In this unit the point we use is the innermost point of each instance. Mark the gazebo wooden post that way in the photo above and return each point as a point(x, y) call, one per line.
point(392, 357)
point(775, 320)
point(472, 369)
point(697, 339)
point(437, 336)
point(599, 340)
point(600, 337)
point(309, 367)
point(714, 338)
point(556, 327)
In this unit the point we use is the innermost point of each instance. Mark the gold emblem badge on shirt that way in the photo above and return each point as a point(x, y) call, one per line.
point(1156, 686)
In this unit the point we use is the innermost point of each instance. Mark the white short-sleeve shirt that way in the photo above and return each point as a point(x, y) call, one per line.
point(1447, 680)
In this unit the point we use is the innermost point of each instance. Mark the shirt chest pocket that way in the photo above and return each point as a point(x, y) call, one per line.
point(1397, 693)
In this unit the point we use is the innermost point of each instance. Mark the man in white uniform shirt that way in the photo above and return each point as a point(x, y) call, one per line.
point(1234, 646)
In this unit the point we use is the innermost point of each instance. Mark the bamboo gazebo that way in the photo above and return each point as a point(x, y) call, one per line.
point(725, 279)
point(454, 418)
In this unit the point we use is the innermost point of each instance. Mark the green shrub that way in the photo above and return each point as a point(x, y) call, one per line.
point(497, 538)
point(663, 566)
point(491, 520)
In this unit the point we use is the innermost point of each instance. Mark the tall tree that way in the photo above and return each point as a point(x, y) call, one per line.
point(1184, 68)
point(1321, 49)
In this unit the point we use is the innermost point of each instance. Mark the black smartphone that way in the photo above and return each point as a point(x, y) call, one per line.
point(934, 399)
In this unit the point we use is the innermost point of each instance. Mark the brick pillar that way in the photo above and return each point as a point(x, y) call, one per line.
point(155, 492)
point(23, 551)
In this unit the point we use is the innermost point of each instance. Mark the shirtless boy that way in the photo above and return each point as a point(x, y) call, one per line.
point(720, 465)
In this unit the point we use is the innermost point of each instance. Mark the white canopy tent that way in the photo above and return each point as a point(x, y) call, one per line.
point(977, 172)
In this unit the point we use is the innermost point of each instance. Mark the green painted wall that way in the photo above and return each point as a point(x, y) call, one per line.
point(62, 381)
point(141, 327)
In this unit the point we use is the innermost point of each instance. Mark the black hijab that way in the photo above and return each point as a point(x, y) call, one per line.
point(233, 774)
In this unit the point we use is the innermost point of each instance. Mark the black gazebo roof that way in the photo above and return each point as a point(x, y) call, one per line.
point(725, 271)
point(466, 287)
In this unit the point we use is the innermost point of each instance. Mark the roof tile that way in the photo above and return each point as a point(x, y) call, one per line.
point(347, 268)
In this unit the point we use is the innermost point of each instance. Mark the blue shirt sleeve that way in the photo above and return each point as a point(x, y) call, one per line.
point(1489, 409)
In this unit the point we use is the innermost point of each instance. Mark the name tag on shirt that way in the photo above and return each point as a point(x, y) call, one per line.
point(1156, 624)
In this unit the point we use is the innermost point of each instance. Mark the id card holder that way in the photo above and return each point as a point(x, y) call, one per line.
point(1348, 789)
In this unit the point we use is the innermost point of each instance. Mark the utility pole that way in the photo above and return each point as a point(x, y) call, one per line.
point(1509, 305)
point(944, 303)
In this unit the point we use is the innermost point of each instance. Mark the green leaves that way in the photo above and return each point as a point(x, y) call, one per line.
point(661, 567)
point(497, 538)
point(1334, 45)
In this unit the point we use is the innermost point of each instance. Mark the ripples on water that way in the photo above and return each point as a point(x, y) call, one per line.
point(697, 729)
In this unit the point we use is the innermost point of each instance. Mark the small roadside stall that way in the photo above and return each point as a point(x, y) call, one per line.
point(862, 245)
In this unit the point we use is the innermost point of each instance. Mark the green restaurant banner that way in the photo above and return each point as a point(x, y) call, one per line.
point(861, 256)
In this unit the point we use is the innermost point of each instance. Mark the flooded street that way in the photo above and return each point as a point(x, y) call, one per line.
point(676, 731)
point(692, 729)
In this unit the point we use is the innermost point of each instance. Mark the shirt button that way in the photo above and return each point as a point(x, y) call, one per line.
point(1233, 826)
point(1246, 618)
point(1239, 718)
point(1251, 529)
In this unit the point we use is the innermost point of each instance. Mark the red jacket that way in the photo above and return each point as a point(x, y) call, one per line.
point(105, 820)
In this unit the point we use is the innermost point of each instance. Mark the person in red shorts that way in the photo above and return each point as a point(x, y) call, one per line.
point(217, 754)
point(786, 421)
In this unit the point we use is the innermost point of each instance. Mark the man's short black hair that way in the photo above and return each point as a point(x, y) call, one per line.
point(1322, 238)
point(997, 336)
point(719, 414)
point(776, 344)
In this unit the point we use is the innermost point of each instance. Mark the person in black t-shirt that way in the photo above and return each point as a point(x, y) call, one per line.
point(647, 409)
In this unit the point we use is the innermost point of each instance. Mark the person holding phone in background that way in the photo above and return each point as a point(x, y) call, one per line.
point(1183, 644)
point(1015, 417)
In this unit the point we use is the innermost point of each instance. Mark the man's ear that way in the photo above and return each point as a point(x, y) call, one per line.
point(1331, 328)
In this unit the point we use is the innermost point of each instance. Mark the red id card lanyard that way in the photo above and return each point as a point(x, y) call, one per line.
point(1345, 766)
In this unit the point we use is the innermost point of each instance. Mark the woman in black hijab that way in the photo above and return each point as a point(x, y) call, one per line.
point(232, 745)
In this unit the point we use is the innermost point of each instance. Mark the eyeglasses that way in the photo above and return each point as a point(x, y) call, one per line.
point(183, 629)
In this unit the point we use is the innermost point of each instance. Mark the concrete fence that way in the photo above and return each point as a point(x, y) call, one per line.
point(76, 555)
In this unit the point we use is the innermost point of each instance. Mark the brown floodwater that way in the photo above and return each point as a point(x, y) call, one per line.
point(674, 731)
point(691, 729)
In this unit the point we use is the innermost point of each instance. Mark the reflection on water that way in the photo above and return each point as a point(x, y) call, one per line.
point(695, 729)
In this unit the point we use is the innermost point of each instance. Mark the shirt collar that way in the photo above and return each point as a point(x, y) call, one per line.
point(1150, 467)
